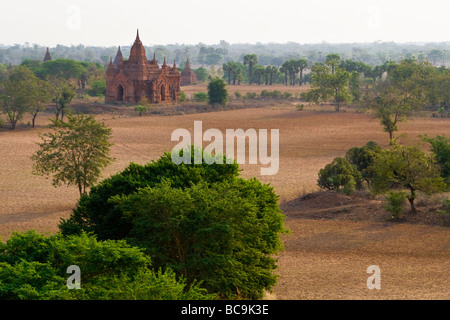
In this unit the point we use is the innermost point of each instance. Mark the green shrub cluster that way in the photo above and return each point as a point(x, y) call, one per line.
point(347, 174)
point(34, 267)
point(202, 221)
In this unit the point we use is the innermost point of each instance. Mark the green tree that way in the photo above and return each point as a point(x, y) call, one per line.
point(406, 167)
point(440, 146)
point(213, 58)
point(98, 88)
point(213, 225)
point(222, 235)
point(272, 70)
point(74, 153)
point(34, 267)
point(63, 92)
point(21, 93)
point(329, 81)
point(362, 158)
point(201, 74)
point(250, 60)
point(217, 92)
point(340, 175)
point(302, 65)
point(63, 68)
point(332, 59)
point(401, 95)
point(258, 72)
point(227, 69)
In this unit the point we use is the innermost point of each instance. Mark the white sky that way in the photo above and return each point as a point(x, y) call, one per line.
point(114, 22)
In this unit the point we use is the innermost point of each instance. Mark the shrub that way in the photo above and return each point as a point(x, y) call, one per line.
point(251, 95)
point(94, 213)
point(238, 94)
point(140, 109)
point(98, 88)
point(34, 267)
point(440, 146)
point(222, 235)
point(406, 167)
point(395, 202)
point(340, 175)
point(200, 96)
point(202, 221)
point(444, 214)
point(182, 96)
point(362, 158)
point(217, 92)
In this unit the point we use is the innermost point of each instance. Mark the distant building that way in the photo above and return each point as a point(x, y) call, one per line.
point(137, 78)
point(187, 75)
point(47, 57)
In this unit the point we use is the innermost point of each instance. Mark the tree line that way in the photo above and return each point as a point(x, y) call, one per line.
point(29, 87)
point(375, 53)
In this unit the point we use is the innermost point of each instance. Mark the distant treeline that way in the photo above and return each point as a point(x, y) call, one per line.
point(376, 53)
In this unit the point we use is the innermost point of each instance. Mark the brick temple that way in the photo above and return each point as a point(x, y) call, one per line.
point(137, 78)
point(187, 75)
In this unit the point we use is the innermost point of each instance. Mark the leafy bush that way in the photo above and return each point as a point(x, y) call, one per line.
point(94, 212)
point(200, 96)
point(222, 235)
point(251, 95)
point(98, 88)
point(140, 109)
point(202, 221)
point(340, 175)
point(362, 158)
point(440, 146)
point(406, 167)
point(34, 267)
point(444, 214)
point(217, 92)
point(182, 96)
point(395, 202)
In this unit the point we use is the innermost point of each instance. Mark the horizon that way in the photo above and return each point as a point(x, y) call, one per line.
point(415, 43)
point(109, 23)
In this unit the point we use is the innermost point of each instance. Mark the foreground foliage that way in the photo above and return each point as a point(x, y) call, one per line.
point(202, 221)
point(34, 267)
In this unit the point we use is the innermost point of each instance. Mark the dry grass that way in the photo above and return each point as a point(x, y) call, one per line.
point(331, 243)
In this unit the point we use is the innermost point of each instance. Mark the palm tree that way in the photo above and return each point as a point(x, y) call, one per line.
point(285, 69)
point(333, 60)
point(228, 68)
point(250, 60)
point(302, 65)
point(271, 70)
point(259, 72)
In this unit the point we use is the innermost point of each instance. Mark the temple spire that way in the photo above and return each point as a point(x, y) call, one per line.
point(137, 52)
point(188, 65)
point(119, 58)
point(47, 56)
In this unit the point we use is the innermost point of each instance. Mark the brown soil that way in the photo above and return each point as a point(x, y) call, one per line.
point(334, 238)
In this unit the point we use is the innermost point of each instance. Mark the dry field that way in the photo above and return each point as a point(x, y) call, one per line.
point(333, 238)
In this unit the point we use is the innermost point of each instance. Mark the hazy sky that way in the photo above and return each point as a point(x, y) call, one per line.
point(113, 22)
